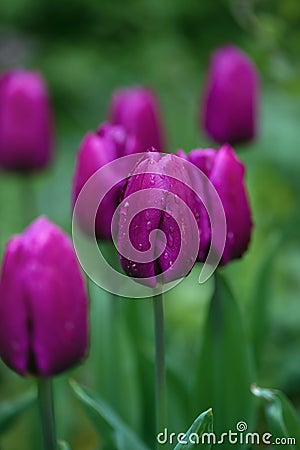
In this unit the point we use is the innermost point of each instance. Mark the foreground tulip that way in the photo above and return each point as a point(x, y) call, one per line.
point(43, 303)
point(137, 110)
point(25, 122)
point(226, 173)
point(96, 150)
point(229, 112)
point(153, 180)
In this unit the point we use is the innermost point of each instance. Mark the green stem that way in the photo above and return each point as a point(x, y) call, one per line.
point(160, 369)
point(45, 399)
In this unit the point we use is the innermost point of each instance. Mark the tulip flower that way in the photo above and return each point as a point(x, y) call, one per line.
point(226, 173)
point(96, 150)
point(43, 303)
point(137, 110)
point(163, 181)
point(229, 111)
point(25, 122)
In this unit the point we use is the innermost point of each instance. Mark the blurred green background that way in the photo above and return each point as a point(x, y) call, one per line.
point(86, 49)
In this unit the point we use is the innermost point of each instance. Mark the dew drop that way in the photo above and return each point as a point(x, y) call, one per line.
point(166, 255)
point(176, 198)
point(148, 225)
point(140, 246)
point(126, 204)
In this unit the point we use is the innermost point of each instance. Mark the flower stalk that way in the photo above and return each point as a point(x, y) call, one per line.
point(160, 369)
point(46, 407)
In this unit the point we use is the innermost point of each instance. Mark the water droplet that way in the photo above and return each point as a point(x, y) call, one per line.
point(140, 246)
point(170, 262)
point(148, 225)
point(166, 255)
point(170, 240)
point(163, 201)
point(134, 267)
point(152, 178)
point(176, 198)
point(126, 204)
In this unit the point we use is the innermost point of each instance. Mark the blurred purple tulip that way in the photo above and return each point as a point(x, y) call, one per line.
point(96, 150)
point(26, 131)
point(137, 110)
point(230, 107)
point(226, 173)
point(152, 179)
point(43, 303)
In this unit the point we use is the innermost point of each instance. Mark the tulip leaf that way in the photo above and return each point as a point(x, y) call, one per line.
point(63, 445)
point(224, 372)
point(202, 425)
point(104, 418)
point(10, 410)
point(281, 415)
point(260, 297)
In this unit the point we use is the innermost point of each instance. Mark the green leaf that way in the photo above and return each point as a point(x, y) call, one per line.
point(63, 445)
point(107, 421)
point(280, 413)
point(224, 373)
point(116, 377)
point(260, 301)
point(11, 410)
point(203, 424)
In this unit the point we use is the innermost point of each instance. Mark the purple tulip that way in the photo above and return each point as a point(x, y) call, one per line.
point(231, 97)
point(226, 173)
point(25, 122)
point(96, 150)
point(137, 110)
point(43, 303)
point(162, 187)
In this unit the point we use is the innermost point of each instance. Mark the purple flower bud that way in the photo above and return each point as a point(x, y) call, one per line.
point(226, 173)
point(96, 150)
point(26, 132)
point(231, 97)
point(43, 303)
point(137, 110)
point(160, 225)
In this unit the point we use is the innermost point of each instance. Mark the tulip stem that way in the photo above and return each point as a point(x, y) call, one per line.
point(45, 399)
point(160, 369)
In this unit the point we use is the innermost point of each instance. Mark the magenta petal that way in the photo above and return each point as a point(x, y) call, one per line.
point(26, 131)
point(230, 106)
point(228, 178)
point(44, 323)
point(137, 110)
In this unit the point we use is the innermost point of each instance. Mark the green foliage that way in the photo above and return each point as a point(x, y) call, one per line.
point(106, 420)
point(224, 372)
point(203, 424)
point(281, 415)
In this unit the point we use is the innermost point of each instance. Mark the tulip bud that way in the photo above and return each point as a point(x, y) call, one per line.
point(160, 225)
point(96, 150)
point(25, 122)
point(226, 173)
point(43, 303)
point(137, 110)
point(231, 97)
